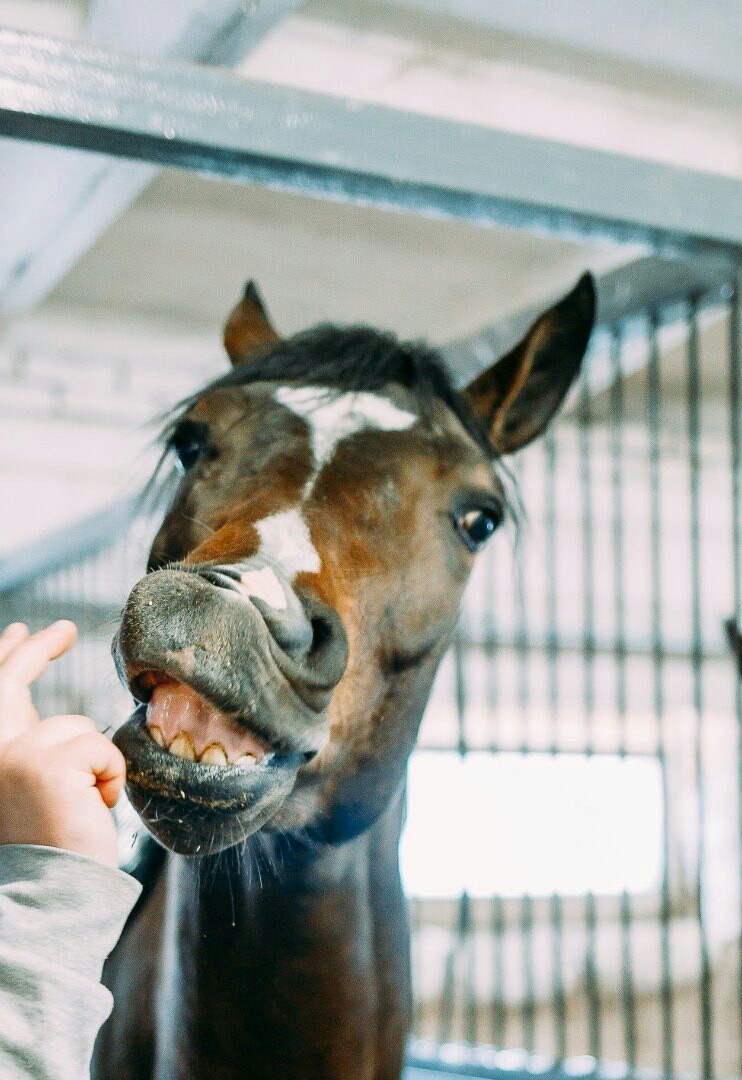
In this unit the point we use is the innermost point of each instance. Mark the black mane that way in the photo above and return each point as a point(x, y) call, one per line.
point(352, 359)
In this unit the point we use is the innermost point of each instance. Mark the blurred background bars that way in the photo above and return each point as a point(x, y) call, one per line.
point(582, 895)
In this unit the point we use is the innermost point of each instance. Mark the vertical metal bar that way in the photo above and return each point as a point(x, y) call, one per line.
point(470, 978)
point(694, 463)
point(552, 557)
point(529, 1004)
point(467, 951)
point(445, 1018)
point(499, 1016)
point(497, 1012)
point(458, 945)
point(460, 937)
point(654, 418)
point(617, 460)
point(735, 439)
point(460, 688)
point(591, 977)
point(528, 1010)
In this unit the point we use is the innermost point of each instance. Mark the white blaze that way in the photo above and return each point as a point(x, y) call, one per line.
point(331, 417)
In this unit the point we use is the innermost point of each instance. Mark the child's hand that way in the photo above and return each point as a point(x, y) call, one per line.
point(59, 777)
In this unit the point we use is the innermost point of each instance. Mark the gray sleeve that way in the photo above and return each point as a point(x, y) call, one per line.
point(60, 916)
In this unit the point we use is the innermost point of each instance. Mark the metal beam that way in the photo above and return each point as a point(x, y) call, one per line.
point(196, 118)
point(69, 545)
point(57, 203)
point(700, 41)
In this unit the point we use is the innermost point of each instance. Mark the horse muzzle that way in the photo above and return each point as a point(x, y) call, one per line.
point(234, 672)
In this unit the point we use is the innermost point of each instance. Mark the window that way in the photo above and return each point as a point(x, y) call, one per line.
point(510, 824)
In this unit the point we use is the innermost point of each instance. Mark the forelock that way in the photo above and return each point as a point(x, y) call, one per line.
point(352, 359)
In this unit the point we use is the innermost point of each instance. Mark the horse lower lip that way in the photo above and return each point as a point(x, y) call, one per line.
point(229, 801)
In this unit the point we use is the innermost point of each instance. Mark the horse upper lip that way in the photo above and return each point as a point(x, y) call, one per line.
point(144, 685)
point(177, 626)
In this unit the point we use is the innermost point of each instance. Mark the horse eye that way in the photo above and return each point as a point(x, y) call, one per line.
point(187, 443)
point(475, 527)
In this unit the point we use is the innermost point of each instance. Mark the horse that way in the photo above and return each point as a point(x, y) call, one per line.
point(335, 488)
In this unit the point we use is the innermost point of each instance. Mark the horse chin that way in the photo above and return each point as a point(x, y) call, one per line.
point(196, 807)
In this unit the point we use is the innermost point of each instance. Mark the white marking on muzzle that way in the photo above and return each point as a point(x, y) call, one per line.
point(285, 539)
point(264, 585)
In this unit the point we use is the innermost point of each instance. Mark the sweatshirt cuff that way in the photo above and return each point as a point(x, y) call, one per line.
point(74, 907)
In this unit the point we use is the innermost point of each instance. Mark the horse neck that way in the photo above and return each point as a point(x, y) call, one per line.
point(310, 959)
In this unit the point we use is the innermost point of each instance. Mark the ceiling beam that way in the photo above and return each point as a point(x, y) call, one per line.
point(198, 118)
point(56, 202)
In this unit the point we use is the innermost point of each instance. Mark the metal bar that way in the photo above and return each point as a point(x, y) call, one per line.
point(654, 420)
point(528, 1003)
point(497, 923)
point(592, 988)
point(735, 440)
point(173, 114)
point(74, 542)
point(458, 943)
point(39, 609)
point(628, 1003)
point(552, 553)
point(599, 646)
point(56, 203)
point(694, 465)
point(457, 652)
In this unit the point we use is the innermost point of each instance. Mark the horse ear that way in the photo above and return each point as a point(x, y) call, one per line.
point(248, 328)
point(518, 396)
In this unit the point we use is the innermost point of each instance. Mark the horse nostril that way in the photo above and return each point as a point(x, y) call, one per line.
point(328, 655)
point(321, 633)
point(307, 631)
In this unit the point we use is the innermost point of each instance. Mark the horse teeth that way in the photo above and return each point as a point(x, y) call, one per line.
point(214, 754)
point(182, 746)
point(156, 735)
point(246, 760)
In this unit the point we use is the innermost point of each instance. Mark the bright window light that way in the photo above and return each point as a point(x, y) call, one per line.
point(534, 824)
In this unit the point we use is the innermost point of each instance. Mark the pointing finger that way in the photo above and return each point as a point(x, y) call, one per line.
point(11, 636)
point(28, 659)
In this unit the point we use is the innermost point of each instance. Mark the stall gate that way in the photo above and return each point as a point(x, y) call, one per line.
point(582, 906)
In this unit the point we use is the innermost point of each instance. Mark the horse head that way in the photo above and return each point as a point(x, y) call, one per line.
point(307, 577)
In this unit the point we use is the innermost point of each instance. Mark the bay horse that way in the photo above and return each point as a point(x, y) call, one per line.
point(300, 594)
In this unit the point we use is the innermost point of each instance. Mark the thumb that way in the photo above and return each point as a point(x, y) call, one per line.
point(95, 754)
